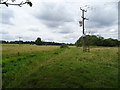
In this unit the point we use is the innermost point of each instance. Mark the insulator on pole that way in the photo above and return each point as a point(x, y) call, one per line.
point(81, 23)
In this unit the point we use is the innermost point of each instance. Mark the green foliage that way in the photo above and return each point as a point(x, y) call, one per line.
point(38, 41)
point(93, 40)
point(64, 46)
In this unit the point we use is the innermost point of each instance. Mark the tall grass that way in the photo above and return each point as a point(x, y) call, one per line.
point(11, 50)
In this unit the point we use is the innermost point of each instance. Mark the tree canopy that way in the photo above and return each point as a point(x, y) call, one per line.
point(38, 41)
point(93, 40)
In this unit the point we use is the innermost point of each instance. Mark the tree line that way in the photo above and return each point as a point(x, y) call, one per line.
point(38, 41)
point(93, 40)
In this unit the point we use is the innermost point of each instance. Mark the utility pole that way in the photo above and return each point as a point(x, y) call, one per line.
point(84, 44)
point(19, 40)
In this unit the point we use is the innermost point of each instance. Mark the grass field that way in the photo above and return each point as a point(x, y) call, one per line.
point(53, 67)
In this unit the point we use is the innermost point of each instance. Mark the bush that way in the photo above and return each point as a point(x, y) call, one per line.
point(64, 46)
point(38, 41)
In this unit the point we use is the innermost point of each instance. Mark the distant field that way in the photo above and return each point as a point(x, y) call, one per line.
point(52, 67)
point(9, 50)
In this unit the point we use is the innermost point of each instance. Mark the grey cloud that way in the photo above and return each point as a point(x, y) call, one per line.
point(52, 24)
point(7, 37)
point(107, 32)
point(33, 29)
point(3, 32)
point(28, 38)
point(48, 40)
point(93, 31)
point(53, 14)
point(7, 15)
point(102, 16)
point(25, 37)
point(64, 29)
point(70, 37)
point(113, 31)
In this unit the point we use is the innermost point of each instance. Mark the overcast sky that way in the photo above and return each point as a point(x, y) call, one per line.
point(57, 20)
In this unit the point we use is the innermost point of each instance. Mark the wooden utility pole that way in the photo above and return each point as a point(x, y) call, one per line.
point(19, 40)
point(85, 48)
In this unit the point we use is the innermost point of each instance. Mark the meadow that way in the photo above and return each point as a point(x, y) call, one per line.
point(31, 66)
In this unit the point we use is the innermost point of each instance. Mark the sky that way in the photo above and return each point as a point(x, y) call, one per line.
point(58, 20)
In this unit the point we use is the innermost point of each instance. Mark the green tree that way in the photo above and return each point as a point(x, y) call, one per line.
point(38, 41)
point(93, 40)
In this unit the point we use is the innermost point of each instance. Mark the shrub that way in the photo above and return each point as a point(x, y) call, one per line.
point(38, 41)
point(64, 46)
